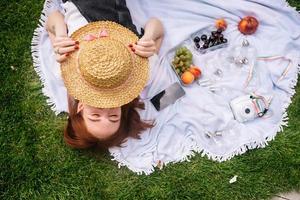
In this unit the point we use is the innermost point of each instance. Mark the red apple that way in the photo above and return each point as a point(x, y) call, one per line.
point(248, 25)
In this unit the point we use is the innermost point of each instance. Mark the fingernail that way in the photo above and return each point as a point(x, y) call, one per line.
point(135, 43)
point(133, 49)
point(76, 47)
point(130, 45)
point(67, 54)
point(77, 42)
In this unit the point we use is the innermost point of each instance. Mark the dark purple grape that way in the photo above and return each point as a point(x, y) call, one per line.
point(212, 43)
point(205, 46)
point(203, 37)
point(213, 37)
point(219, 31)
point(197, 45)
point(207, 42)
point(196, 39)
point(211, 40)
point(224, 40)
point(218, 42)
point(221, 39)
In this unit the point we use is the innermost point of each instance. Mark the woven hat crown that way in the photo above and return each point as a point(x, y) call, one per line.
point(105, 63)
point(103, 72)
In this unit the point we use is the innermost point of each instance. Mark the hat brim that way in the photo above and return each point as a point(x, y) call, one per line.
point(105, 98)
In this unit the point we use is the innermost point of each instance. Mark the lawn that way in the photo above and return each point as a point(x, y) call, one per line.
point(36, 164)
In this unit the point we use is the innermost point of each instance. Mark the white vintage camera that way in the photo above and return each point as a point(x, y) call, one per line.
point(248, 107)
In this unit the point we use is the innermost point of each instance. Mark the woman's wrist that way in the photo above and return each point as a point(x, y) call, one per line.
point(153, 29)
point(148, 36)
point(56, 24)
point(61, 32)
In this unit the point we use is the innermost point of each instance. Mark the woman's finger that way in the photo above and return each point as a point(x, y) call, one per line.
point(63, 50)
point(143, 53)
point(65, 43)
point(61, 58)
point(60, 39)
point(146, 43)
point(145, 49)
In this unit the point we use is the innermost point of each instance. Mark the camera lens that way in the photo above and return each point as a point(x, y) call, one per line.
point(247, 110)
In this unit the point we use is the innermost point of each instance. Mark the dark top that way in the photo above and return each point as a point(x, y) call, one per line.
point(111, 10)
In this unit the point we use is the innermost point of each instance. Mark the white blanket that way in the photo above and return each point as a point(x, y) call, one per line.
point(181, 129)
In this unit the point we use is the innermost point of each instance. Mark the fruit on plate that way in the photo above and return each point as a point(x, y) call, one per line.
point(214, 39)
point(182, 60)
point(221, 24)
point(248, 25)
point(187, 77)
point(195, 71)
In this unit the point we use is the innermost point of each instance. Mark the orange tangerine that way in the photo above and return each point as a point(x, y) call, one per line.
point(187, 77)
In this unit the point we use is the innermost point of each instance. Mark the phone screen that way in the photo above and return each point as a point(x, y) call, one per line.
point(167, 96)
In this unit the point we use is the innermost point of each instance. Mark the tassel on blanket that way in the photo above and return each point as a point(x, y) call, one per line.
point(49, 6)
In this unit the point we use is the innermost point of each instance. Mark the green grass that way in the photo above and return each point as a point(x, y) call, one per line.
point(35, 163)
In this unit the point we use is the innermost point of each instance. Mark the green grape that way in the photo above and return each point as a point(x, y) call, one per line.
point(182, 59)
point(176, 60)
point(189, 63)
point(180, 64)
point(189, 56)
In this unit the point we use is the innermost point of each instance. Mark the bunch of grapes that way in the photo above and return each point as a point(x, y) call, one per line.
point(182, 60)
point(207, 41)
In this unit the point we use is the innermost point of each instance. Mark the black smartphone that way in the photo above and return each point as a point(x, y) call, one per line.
point(167, 97)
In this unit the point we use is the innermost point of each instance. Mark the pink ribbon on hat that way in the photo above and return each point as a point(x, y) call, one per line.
point(90, 37)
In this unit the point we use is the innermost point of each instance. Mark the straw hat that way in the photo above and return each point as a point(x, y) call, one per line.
point(104, 72)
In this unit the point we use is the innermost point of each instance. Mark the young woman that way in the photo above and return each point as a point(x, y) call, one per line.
point(90, 125)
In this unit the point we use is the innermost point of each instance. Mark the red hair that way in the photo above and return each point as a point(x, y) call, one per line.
point(77, 136)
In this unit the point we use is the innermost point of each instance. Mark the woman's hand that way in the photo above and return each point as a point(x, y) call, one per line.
point(63, 46)
point(144, 47)
point(57, 30)
point(150, 43)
